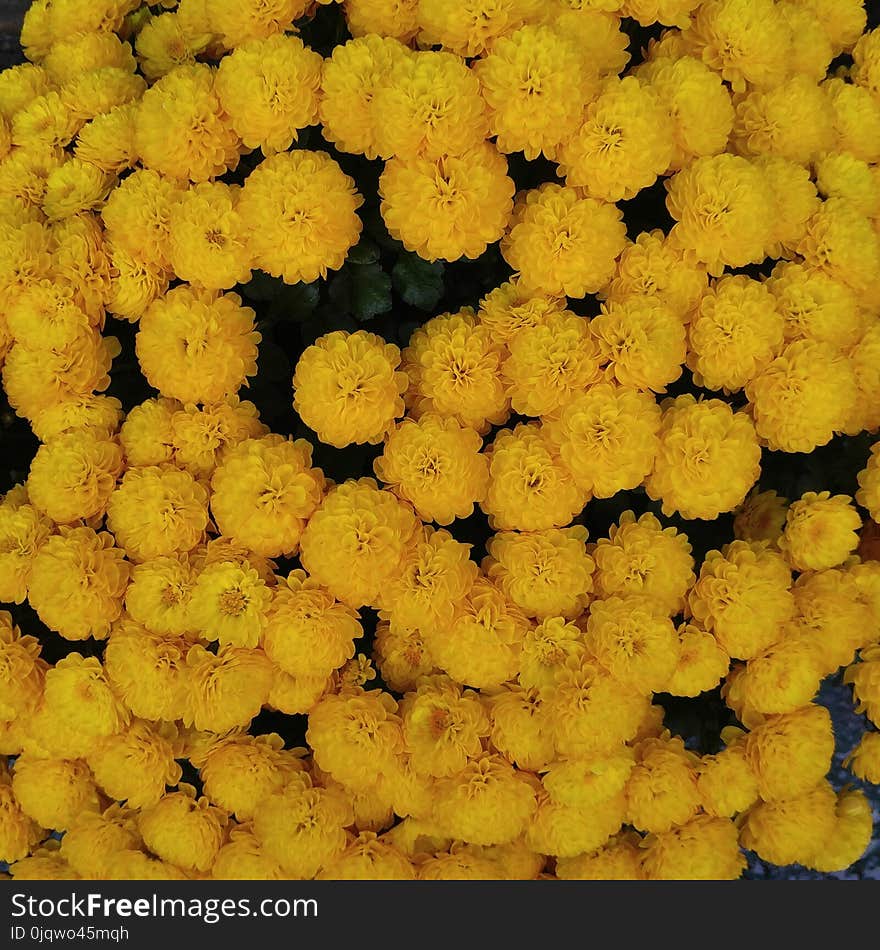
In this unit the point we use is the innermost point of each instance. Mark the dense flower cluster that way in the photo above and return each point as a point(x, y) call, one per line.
point(515, 729)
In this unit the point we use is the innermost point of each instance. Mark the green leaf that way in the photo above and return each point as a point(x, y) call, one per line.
point(363, 290)
point(296, 302)
point(261, 287)
point(419, 282)
point(366, 252)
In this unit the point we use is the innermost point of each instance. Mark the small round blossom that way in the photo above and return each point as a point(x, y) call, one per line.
point(369, 859)
point(803, 397)
point(625, 142)
point(841, 175)
point(856, 118)
point(527, 81)
point(868, 494)
point(607, 438)
point(643, 341)
point(53, 792)
point(235, 24)
point(618, 860)
point(134, 284)
point(107, 141)
point(702, 849)
point(242, 858)
point(74, 187)
point(761, 517)
point(511, 308)
point(521, 729)
point(561, 243)
point(157, 510)
point(736, 333)
point(454, 367)
point(436, 465)
point(167, 41)
point(269, 89)
point(355, 541)
point(641, 557)
point(346, 387)
point(853, 831)
point(264, 491)
point(158, 595)
point(180, 129)
point(146, 435)
point(719, 204)
point(726, 782)
point(742, 597)
point(429, 106)
point(565, 831)
point(447, 207)
point(23, 530)
point(226, 689)
point(401, 655)
point(702, 662)
point(708, 459)
point(866, 59)
point(546, 649)
point(92, 842)
point(77, 581)
point(864, 760)
point(19, 835)
point(383, 18)
point(821, 531)
point(474, 26)
point(661, 791)
point(529, 487)
point(21, 671)
point(865, 361)
point(202, 436)
point(73, 476)
point(865, 680)
point(183, 830)
point(299, 212)
point(545, 573)
point(228, 602)
point(550, 363)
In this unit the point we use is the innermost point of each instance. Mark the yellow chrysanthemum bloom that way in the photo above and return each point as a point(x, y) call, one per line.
point(20, 85)
point(803, 397)
point(561, 243)
point(864, 760)
point(352, 74)
point(481, 647)
point(521, 728)
point(19, 834)
point(134, 284)
point(618, 860)
point(702, 662)
point(180, 128)
point(355, 736)
point(435, 464)
point(228, 603)
point(53, 792)
point(93, 412)
point(202, 436)
point(148, 671)
point(591, 712)
point(433, 578)
point(510, 308)
point(643, 341)
point(448, 207)
point(45, 121)
point(864, 677)
point(726, 782)
point(368, 858)
point(429, 106)
point(546, 649)
point(242, 859)
point(382, 18)
point(156, 511)
point(454, 366)
point(866, 59)
point(856, 118)
point(587, 782)
point(624, 143)
point(742, 597)
point(226, 690)
point(23, 530)
point(235, 24)
point(168, 41)
point(703, 849)
point(346, 387)
point(719, 204)
point(146, 435)
point(107, 142)
point(566, 831)
point(708, 458)
point(528, 81)
point(853, 831)
point(865, 360)
point(263, 492)
point(661, 792)
point(355, 541)
point(474, 26)
point(868, 494)
point(74, 187)
point(607, 438)
point(207, 241)
point(94, 839)
point(77, 582)
point(791, 830)
point(21, 671)
point(821, 531)
point(137, 216)
point(551, 363)
point(135, 765)
point(299, 212)
point(197, 345)
point(297, 695)
point(401, 655)
point(545, 573)
point(302, 828)
point(137, 866)
point(308, 633)
point(184, 830)
point(269, 89)
point(841, 175)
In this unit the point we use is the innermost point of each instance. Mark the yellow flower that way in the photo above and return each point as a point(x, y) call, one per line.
point(661, 792)
point(742, 597)
point(166, 42)
point(94, 413)
point(607, 438)
point(561, 243)
point(708, 459)
point(529, 80)
point(346, 387)
point(135, 765)
point(856, 118)
point(450, 206)
point(803, 397)
point(21, 671)
point(719, 204)
point(94, 839)
point(865, 680)
point(624, 143)
point(19, 834)
point(511, 308)
point(618, 860)
point(44, 864)
point(53, 792)
point(157, 510)
point(23, 530)
point(203, 436)
point(853, 831)
point(550, 363)
point(402, 655)
point(21, 84)
point(726, 782)
point(269, 89)
point(99, 91)
point(228, 603)
point(74, 187)
point(865, 360)
point(226, 690)
point(47, 121)
point(352, 74)
point(545, 573)
point(703, 849)
point(792, 830)
point(107, 141)
point(821, 531)
point(868, 494)
point(354, 543)
point(864, 760)
point(146, 435)
point(242, 858)
point(183, 830)
point(841, 242)
point(207, 240)
point(841, 175)
point(866, 57)
point(566, 831)
point(545, 651)
point(237, 23)
point(454, 367)
point(521, 728)
point(702, 662)
point(382, 18)
point(369, 859)
point(299, 213)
